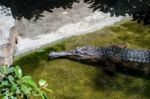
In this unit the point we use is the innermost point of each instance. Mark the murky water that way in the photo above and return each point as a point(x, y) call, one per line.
point(69, 79)
point(74, 80)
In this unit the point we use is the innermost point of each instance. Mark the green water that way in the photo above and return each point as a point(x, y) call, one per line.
point(73, 80)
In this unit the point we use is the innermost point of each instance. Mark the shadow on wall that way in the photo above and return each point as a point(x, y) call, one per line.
point(139, 9)
point(31, 8)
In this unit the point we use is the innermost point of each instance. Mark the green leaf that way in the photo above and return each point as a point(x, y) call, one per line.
point(10, 77)
point(1, 74)
point(18, 71)
point(1, 85)
point(10, 70)
point(18, 91)
point(5, 83)
point(25, 89)
point(1, 79)
point(5, 69)
point(10, 94)
point(13, 97)
point(42, 82)
point(14, 86)
point(5, 97)
point(28, 80)
point(44, 96)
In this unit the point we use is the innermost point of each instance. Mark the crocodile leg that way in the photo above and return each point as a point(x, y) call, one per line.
point(110, 68)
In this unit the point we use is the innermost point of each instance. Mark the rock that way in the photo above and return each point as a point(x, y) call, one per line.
point(8, 37)
point(7, 50)
point(59, 24)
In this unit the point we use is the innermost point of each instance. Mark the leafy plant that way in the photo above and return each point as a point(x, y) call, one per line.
point(14, 85)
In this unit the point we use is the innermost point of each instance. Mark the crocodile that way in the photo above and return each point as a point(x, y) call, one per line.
point(110, 56)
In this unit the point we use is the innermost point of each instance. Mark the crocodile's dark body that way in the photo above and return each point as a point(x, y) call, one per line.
point(112, 55)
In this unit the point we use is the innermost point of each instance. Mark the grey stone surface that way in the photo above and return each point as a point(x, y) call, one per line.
point(8, 37)
point(60, 24)
point(7, 50)
point(52, 21)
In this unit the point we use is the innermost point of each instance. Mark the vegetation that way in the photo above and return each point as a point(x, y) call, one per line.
point(73, 80)
point(14, 85)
